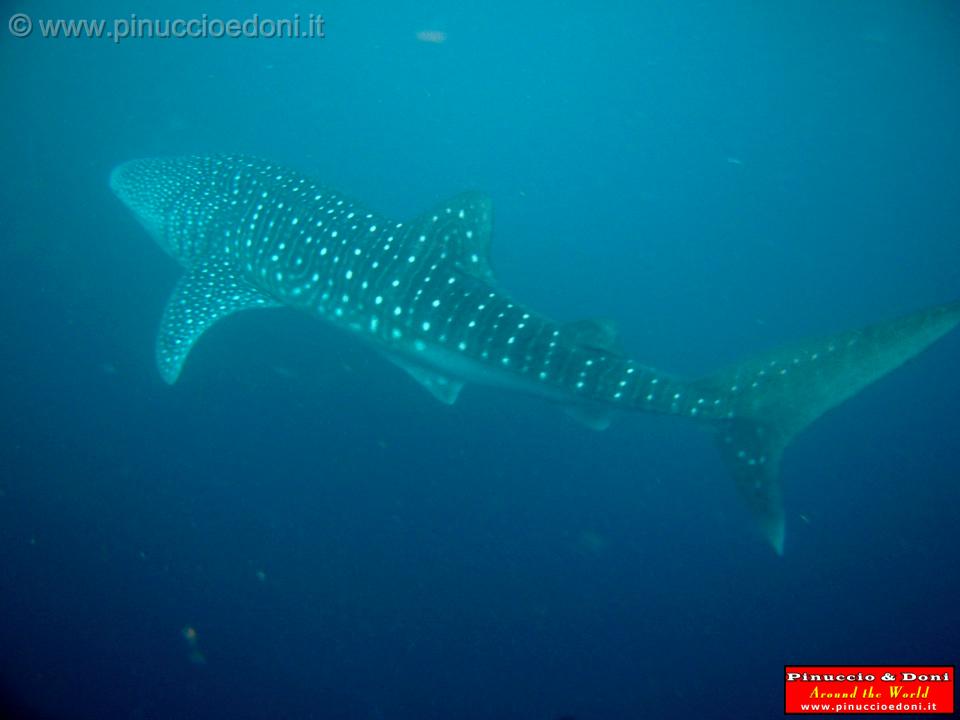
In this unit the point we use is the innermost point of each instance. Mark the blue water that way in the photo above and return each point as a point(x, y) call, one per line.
point(716, 177)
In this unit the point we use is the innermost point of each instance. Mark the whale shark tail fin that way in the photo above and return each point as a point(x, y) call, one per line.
point(774, 396)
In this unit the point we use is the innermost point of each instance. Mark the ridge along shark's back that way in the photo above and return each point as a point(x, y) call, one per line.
point(253, 235)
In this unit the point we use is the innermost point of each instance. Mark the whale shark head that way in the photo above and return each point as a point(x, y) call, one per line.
point(162, 190)
point(134, 183)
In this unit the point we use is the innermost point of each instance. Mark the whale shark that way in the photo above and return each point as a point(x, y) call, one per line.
point(251, 234)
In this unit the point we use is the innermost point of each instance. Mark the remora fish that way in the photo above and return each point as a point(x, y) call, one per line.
point(254, 235)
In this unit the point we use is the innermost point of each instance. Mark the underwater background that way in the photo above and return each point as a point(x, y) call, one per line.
point(297, 530)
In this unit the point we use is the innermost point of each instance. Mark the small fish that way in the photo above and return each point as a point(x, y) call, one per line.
point(195, 655)
point(432, 36)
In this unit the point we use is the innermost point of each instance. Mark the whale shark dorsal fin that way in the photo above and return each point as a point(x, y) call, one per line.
point(207, 293)
point(463, 223)
point(443, 388)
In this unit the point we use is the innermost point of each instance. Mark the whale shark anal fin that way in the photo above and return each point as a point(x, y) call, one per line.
point(443, 388)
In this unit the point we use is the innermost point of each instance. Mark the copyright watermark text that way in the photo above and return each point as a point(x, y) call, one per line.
point(133, 27)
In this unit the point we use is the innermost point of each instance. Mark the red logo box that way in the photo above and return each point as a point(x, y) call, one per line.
point(868, 689)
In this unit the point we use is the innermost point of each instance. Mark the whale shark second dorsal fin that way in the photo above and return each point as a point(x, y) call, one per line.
point(599, 333)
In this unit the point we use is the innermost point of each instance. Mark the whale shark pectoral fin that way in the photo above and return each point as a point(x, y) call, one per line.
point(206, 294)
point(444, 389)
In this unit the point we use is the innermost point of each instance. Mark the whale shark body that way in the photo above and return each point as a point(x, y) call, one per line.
point(254, 235)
